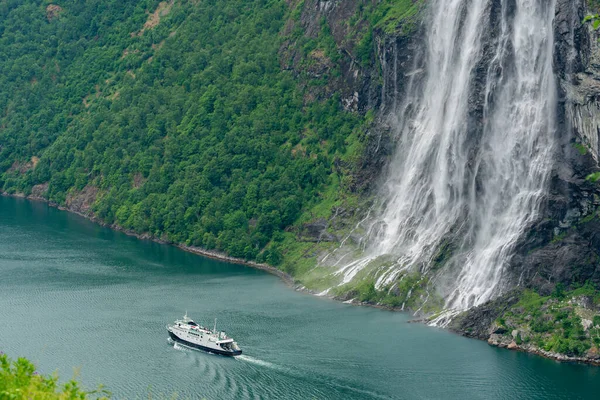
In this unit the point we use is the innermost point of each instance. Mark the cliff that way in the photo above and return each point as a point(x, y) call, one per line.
point(558, 260)
point(564, 246)
point(561, 253)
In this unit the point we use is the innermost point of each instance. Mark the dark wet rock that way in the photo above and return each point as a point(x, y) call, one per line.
point(316, 231)
point(379, 148)
point(356, 84)
point(479, 322)
point(499, 330)
point(564, 245)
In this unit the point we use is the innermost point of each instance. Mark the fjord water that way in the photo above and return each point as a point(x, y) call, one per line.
point(77, 295)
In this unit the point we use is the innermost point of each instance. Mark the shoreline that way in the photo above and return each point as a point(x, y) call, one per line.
point(531, 349)
point(215, 255)
point(291, 282)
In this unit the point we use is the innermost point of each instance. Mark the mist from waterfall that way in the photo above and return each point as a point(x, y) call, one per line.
point(475, 138)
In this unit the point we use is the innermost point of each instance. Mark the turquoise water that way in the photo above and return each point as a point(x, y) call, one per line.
point(74, 295)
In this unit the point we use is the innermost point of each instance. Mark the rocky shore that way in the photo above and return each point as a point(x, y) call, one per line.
point(501, 342)
point(564, 326)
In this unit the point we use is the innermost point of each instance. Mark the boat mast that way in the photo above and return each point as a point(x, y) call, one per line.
point(215, 328)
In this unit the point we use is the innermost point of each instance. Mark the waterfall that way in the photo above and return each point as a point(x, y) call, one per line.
point(475, 139)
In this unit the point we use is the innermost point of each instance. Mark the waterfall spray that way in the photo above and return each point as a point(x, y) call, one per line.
point(475, 138)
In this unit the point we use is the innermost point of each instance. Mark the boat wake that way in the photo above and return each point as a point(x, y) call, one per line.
point(179, 346)
point(256, 361)
point(176, 345)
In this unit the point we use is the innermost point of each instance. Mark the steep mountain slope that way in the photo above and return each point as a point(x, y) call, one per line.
point(558, 261)
point(228, 126)
point(172, 119)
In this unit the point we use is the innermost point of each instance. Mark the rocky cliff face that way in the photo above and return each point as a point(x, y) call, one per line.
point(562, 250)
point(369, 75)
point(564, 247)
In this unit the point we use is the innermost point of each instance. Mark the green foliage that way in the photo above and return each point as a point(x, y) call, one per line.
point(594, 177)
point(367, 292)
point(554, 323)
point(540, 325)
point(581, 148)
point(19, 380)
point(566, 346)
point(588, 218)
point(587, 289)
point(560, 236)
point(594, 20)
point(519, 340)
point(364, 48)
point(559, 291)
point(397, 16)
point(189, 131)
point(531, 301)
point(443, 254)
point(410, 291)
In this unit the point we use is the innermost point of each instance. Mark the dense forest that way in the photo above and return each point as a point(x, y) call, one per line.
point(173, 119)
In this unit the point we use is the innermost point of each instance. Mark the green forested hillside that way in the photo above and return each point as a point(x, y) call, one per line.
point(173, 119)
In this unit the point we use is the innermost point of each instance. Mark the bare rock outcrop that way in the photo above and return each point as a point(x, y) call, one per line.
point(53, 11)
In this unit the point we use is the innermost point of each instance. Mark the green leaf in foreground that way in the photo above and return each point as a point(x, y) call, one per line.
point(19, 380)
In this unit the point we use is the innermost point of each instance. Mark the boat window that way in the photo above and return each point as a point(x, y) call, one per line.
point(192, 323)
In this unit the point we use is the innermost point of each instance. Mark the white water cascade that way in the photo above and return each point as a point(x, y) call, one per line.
point(475, 138)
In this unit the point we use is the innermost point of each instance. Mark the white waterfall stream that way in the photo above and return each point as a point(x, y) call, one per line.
point(475, 134)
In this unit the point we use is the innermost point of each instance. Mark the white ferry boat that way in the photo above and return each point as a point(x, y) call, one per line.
point(189, 333)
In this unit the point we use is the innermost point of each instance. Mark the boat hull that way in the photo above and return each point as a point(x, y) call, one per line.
point(204, 348)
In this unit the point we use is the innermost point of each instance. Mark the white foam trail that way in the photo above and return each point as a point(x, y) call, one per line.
point(256, 361)
point(475, 145)
point(179, 347)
